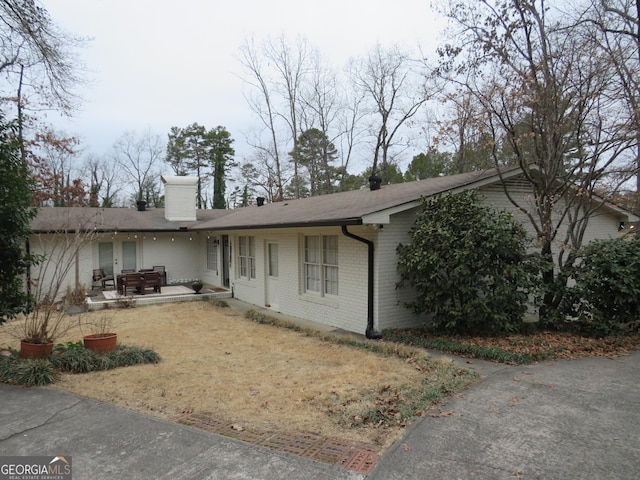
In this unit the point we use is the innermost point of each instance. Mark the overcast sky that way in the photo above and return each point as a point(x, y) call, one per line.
point(161, 63)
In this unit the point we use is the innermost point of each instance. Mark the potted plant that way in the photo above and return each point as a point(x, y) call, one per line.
point(75, 299)
point(197, 286)
point(56, 257)
point(102, 338)
point(39, 328)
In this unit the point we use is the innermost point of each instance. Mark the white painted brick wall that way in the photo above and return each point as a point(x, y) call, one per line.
point(180, 198)
point(347, 310)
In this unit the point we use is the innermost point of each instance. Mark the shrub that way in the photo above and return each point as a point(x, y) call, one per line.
point(28, 372)
point(70, 357)
point(469, 266)
point(605, 298)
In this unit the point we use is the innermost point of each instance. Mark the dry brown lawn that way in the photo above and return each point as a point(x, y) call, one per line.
point(263, 378)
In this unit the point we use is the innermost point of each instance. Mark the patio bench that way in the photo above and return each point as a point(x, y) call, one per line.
point(138, 282)
point(152, 280)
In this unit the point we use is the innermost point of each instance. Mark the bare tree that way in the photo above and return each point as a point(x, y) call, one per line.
point(618, 35)
point(262, 104)
point(324, 110)
point(139, 158)
point(56, 272)
point(546, 92)
point(36, 56)
point(104, 183)
point(277, 75)
point(393, 86)
point(54, 160)
point(464, 130)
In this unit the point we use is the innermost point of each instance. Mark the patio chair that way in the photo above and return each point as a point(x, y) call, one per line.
point(104, 279)
point(130, 283)
point(151, 280)
point(163, 274)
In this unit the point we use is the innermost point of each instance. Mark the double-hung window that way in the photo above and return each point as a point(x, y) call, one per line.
point(321, 264)
point(247, 257)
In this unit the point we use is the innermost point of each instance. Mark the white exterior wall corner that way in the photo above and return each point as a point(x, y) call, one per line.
point(390, 311)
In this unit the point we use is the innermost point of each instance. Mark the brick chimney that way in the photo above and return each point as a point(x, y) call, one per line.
point(180, 198)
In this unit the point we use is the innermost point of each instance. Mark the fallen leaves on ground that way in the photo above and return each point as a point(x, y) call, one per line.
point(557, 345)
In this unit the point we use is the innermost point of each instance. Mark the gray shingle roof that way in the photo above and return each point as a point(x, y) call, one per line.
point(345, 208)
point(51, 219)
point(342, 208)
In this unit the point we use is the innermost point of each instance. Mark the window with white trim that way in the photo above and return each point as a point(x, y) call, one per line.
point(247, 257)
point(212, 254)
point(321, 264)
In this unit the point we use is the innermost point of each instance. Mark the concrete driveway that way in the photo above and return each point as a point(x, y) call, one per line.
point(577, 419)
point(559, 420)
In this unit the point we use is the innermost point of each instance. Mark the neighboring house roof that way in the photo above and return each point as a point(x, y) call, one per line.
point(345, 208)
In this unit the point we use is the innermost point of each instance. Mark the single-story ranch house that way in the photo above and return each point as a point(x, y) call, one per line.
point(329, 259)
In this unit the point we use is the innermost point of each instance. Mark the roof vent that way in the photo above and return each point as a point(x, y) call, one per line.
point(374, 182)
point(141, 205)
point(260, 201)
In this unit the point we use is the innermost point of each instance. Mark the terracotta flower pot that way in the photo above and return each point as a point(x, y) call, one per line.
point(35, 350)
point(101, 342)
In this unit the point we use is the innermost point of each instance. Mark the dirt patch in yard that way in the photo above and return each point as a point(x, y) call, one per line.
point(260, 377)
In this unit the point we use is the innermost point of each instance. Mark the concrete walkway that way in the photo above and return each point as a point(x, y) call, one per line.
point(575, 419)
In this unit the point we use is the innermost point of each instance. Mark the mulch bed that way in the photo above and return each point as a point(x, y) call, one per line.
point(555, 345)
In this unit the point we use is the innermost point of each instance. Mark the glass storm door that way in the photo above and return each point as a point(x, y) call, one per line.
point(116, 256)
point(272, 288)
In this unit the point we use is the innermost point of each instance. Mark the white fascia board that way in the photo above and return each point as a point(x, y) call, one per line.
point(384, 216)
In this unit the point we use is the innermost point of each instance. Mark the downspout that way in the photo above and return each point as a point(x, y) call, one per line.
point(369, 333)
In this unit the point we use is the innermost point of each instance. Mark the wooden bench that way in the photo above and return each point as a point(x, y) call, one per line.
point(139, 282)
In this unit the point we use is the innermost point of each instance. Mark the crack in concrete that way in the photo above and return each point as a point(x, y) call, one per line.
point(44, 423)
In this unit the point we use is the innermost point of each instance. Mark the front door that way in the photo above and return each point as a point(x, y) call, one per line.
point(271, 287)
point(116, 256)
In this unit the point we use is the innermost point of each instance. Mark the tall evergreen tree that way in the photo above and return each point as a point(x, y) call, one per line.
point(204, 153)
point(316, 153)
point(221, 158)
point(16, 194)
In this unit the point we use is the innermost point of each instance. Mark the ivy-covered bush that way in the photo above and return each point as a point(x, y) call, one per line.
point(469, 266)
point(605, 298)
